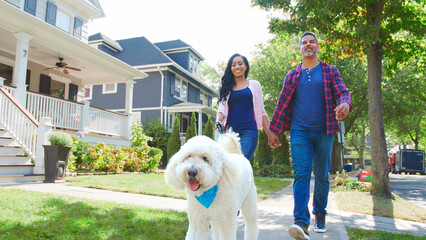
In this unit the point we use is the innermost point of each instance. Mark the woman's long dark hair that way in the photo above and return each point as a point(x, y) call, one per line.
point(228, 79)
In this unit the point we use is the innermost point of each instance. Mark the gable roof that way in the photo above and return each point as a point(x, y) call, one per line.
point(175, 46)
point(102, 38)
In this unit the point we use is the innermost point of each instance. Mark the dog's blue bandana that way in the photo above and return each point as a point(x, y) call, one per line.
point(207, 198)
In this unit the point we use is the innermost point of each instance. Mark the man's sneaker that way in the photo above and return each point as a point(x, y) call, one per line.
point(299, 231)
point(320, 223)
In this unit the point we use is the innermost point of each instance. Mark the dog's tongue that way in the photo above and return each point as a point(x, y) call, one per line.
point(193, 185)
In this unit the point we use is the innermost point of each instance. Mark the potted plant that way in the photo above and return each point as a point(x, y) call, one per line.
point(56, 156)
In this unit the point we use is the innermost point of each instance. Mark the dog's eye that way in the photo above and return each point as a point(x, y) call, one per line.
point(206, 159)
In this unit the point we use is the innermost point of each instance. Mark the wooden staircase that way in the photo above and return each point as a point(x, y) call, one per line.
point(15, 166)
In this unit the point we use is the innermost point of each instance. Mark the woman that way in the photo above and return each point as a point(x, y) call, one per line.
point(241, 105)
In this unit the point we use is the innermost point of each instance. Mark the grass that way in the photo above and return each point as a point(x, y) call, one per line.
point(33, 215)
point(364, 203)
point(154, 184)
point(360, 234)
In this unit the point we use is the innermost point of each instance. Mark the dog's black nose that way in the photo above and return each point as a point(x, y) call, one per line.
point(192, 172)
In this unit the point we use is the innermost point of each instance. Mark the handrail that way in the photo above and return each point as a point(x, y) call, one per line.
point(18, 123)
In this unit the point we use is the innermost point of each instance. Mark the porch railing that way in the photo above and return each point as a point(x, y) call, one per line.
point(76, 116)
point(64, 114)
point(18, 123)
point(107, 122)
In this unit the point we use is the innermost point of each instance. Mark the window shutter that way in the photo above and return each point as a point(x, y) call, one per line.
point(78, 25)
point(30, 6)
point(172, 83)
point(209, 102)
point(51, 13)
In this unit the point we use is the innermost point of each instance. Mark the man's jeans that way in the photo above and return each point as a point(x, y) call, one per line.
point(310, 149)
point(248, 140)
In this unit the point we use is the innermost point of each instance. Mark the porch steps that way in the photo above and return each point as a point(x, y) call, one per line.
point(15, 165)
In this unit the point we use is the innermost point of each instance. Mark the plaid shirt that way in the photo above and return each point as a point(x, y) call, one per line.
point(335, 94)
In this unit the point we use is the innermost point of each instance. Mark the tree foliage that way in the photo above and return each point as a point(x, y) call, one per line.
point(405, 102)
point(173, 144)
point(191, 131)
point(209, 129)
point(376, 28)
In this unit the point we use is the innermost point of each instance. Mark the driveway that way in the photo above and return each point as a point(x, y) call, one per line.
point(409, 187)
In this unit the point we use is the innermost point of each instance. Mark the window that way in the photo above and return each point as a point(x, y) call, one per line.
point(181, 89)
point(86, 93)
point(109, 88)
point(57, 17)
point(63, 21)
point(193, 64)
point(14, 2)
point(204, 98)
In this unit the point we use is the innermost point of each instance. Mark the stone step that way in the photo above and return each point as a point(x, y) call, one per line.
point(20, 178)
point(14, 159)
point(16, 169)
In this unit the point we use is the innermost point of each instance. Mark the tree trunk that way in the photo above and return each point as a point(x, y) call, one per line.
point(379, 164)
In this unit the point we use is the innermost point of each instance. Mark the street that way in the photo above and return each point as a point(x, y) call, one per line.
point(409, 187)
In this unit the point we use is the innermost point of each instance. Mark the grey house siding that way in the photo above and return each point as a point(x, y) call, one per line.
point(109, 101)
point(192, 93)
point(170, 86)
point(147, 91)
point(181, 59)
point(150, 114)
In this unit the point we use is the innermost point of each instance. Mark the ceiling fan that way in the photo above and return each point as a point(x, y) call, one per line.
point(64, 66)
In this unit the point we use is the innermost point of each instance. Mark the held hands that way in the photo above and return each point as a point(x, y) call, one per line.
point(342, 111)
point(273, 140)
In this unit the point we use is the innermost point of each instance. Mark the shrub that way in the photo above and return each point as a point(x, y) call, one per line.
point(138, 137)
point(157, 132)
point(344, 184)
point(275, 171)
point(173, 144)
point(282, 153)
point(264, 152)
point(78, 150)
point(209, 129)
point(59, 138)
point(191, 131)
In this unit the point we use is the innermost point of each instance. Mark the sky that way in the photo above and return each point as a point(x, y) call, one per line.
point(216, 29)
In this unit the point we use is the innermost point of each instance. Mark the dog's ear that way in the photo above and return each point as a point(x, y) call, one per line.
point(171, 177)
point(230, 172)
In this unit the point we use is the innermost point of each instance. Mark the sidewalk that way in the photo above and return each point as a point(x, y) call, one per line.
point(275, 212)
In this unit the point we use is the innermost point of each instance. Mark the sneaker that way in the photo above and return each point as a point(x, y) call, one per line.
point(299, 231)
point(320, 223)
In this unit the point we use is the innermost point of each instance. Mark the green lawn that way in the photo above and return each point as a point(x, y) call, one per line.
point(360, 234)
point(34, 215)
point(154, 184)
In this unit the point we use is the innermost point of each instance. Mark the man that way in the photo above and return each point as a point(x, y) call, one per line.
point(311, 102)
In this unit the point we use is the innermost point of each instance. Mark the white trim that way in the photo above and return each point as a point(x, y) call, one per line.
point(105, 91)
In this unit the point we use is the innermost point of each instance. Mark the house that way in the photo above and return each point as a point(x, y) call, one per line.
point(46, 70)
point(173, 87)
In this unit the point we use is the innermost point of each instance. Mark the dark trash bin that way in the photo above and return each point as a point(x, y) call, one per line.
point(348, 167)
point(55, 162)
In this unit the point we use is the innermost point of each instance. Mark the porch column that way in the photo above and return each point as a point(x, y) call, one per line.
point(129, 109)
point(200, 122)
point(2, 81)
point(129, 96)
point(85, 117)
point(44, 129)
point(20, 69)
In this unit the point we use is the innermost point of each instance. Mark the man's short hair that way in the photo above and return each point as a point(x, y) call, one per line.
point(305, 34)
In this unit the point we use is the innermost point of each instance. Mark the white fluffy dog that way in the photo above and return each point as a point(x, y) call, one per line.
point(219, 182)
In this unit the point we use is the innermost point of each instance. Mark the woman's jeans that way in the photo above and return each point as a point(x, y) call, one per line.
point(310, 150)
point(248, 140)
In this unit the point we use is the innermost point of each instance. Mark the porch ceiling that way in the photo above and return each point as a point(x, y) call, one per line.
point(49, 43)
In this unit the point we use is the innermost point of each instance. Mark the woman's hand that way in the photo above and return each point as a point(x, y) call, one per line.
point(273, 140)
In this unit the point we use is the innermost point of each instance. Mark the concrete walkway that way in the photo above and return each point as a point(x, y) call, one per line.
point(275, 212)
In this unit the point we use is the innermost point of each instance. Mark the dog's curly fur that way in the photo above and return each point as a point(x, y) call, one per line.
point(202, 163)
